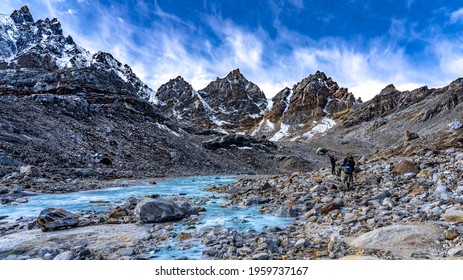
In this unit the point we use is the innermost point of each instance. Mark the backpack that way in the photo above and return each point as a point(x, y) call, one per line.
point(349, 167)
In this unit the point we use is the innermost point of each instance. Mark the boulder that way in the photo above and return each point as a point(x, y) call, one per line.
point(457, 251)
point(253, 200)
point(404, 167)
point(284, 211)
point(54, 218)
point(402, 240)
point(160, 210)
point(329, 207)
point(29, 170)
point(453, 216)
point(66, 256)
point(409, 136)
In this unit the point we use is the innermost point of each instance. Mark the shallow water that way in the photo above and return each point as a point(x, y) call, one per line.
point(241, 219)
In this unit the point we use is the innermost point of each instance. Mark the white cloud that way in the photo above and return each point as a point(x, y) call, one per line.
point(172, 46)
point(456, 16)
point(297, 3)
point(450, 57)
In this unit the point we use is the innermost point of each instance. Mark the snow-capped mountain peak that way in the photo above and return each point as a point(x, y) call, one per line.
point(41, 45)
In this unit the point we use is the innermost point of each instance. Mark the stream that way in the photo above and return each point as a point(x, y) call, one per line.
point(194, 188)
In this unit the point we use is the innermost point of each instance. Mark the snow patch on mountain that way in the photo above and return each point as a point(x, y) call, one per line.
point(283, 132)
point(324, 125)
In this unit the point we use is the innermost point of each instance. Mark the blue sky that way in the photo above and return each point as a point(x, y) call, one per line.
point(362, 45)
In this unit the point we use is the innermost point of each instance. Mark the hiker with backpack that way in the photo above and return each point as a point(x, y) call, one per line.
point(348, 166)
point(333, 160)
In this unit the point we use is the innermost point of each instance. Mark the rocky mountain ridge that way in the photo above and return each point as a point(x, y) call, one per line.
point(392, 117)
point(227, 105)
point(32, 52)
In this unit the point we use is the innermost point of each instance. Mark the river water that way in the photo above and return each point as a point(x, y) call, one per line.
point(242, 219)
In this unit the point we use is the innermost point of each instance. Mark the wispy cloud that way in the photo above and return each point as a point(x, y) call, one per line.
point(456, 16)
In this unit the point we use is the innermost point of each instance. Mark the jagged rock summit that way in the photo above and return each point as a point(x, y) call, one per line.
point(227, 104)
point(40, 58)
point(306, 109)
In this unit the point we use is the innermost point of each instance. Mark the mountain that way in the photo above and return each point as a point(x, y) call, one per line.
point(388, 121)
point(305, 110)
point(73, 115)
point(41, 58)
point(229, 104)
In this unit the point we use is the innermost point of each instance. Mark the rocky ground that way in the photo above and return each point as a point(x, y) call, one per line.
point(404, 206)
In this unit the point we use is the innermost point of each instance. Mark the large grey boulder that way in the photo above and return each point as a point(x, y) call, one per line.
point(402, 240)
point(54, 218)
point(160, 210)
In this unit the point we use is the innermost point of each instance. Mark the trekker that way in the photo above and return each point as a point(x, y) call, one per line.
point(333, 160)
point(348, 165)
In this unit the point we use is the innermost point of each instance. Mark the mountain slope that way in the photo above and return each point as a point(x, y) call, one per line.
point(305, 110)
point(388, 120)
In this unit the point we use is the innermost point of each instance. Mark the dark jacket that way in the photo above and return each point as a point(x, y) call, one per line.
point(349, 165)
point(333, 159)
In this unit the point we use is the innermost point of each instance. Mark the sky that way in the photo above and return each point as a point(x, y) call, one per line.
point(362, 45)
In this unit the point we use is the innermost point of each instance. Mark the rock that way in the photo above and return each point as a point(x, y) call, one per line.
point(409, 136)
point(184, 236)
point(300, 243)
point(159, 210)
point(117, 215)
point(30, 171)
point(339, 201)
point(451, 234)
point(253, 200)
point(442, 192)
point(50, 251)
point(321, 151)
point(284, 211)
point(244, 251)
point(239, 141)
point(267, 186)
point(404, 167)
point(459, 156)
point(329, 207)
point(402, 240)
point(455, 125)
point(453, 216)
point(68, 255)
point(53, 219)
point(126, 251)
point(261, 256)
point(457, 251)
